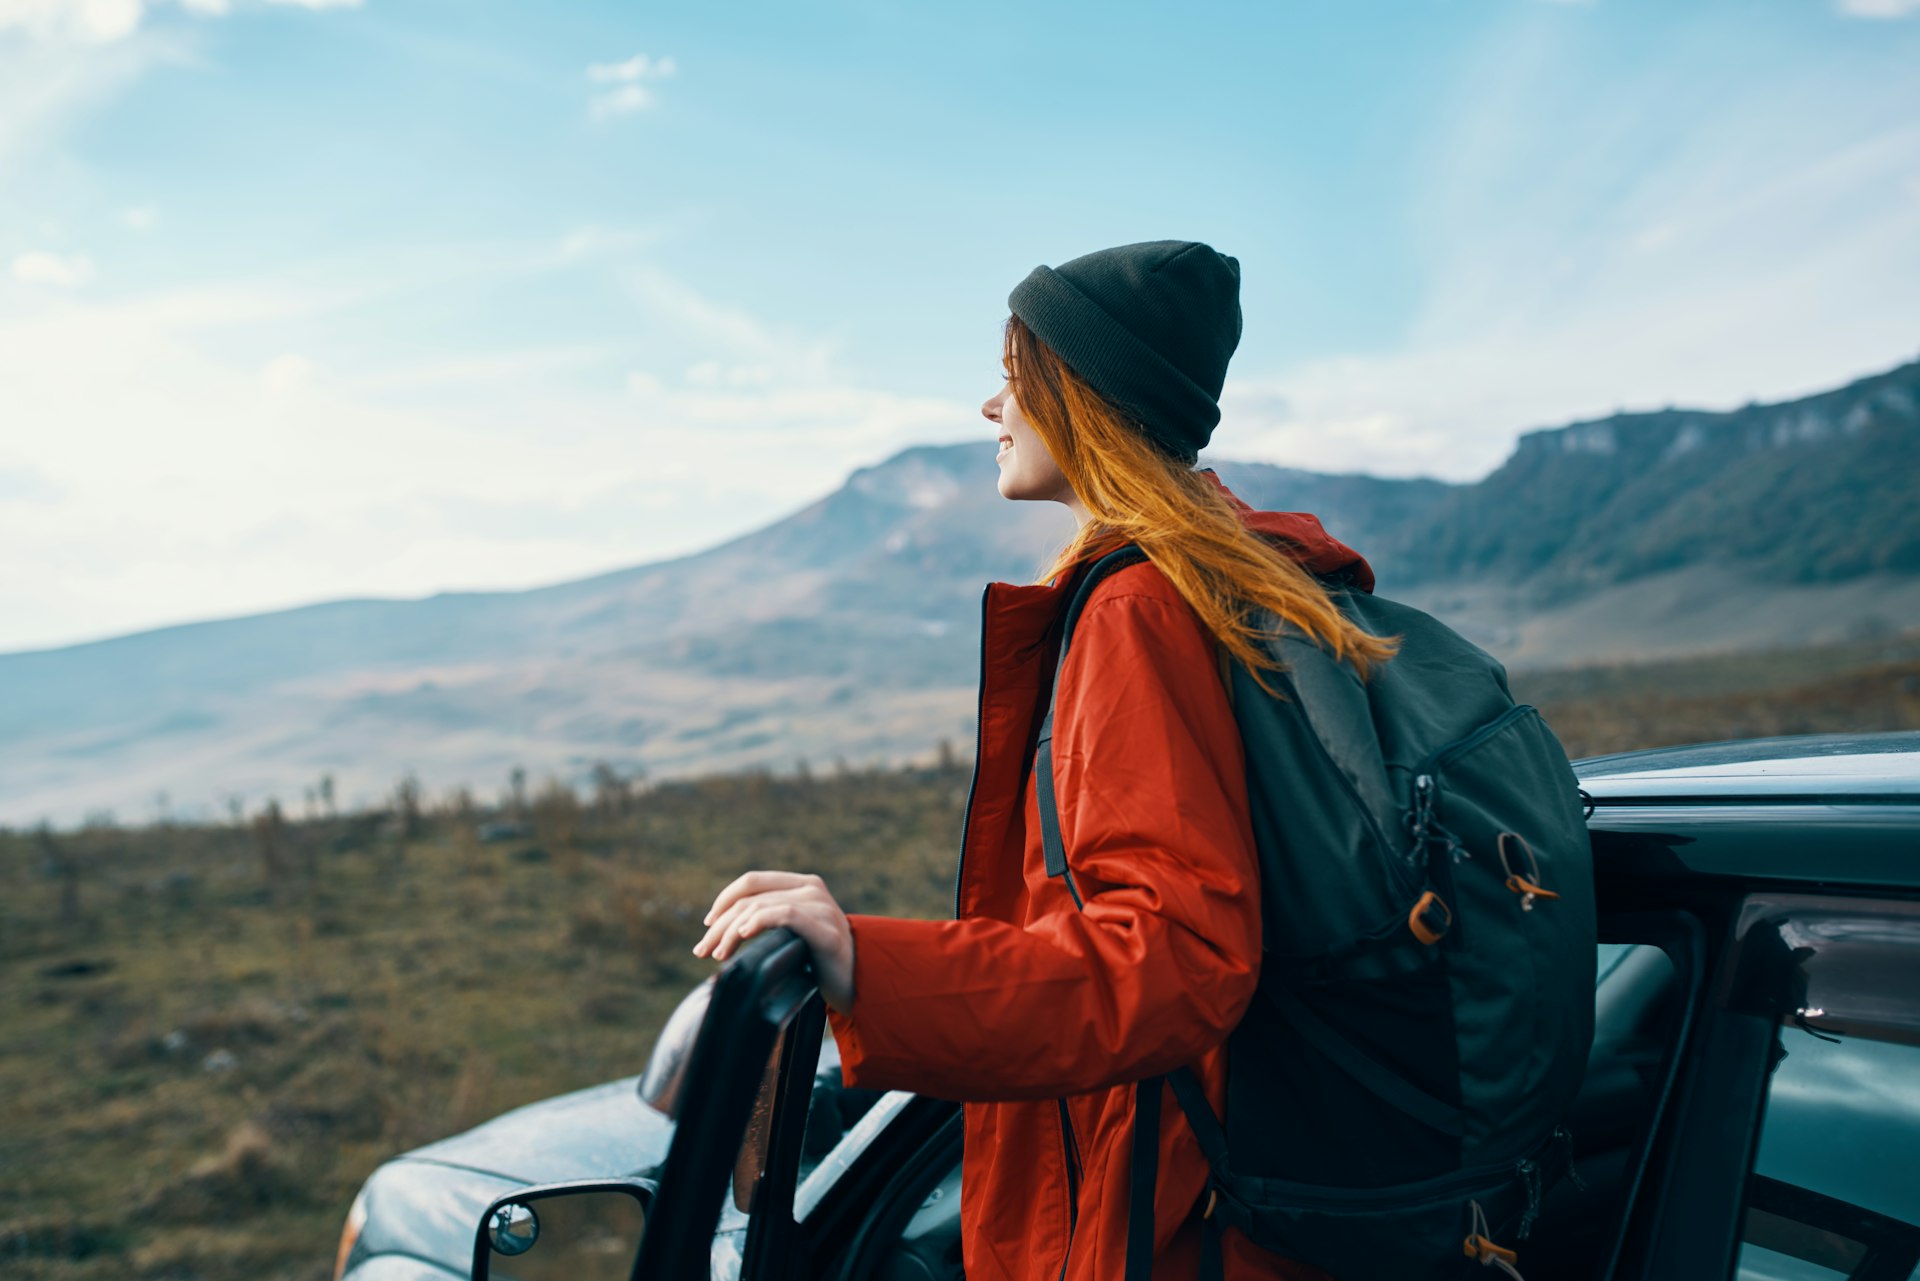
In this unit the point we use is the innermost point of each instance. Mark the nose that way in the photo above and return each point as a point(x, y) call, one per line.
point(991, 409)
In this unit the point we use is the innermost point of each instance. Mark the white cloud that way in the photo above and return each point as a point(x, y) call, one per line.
point(714, 373)
point(1572, 270)
point(105, 21)
point(94, 21)
point(62, 271)
point(628, 95)
point(179, 482)
point(752, 344)
point(286, 374)
point(638, 67)
point(46, 84)
point(623, 101)
point(1878, 8)
point(139, 218)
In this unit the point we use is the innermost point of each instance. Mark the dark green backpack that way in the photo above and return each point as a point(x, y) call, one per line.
point(1396, 1090)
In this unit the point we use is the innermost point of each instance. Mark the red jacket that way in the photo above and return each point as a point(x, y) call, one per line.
point(1024, 1000)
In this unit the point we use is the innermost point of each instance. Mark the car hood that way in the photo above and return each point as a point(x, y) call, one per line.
point(425, 1205)
point(600, 1132)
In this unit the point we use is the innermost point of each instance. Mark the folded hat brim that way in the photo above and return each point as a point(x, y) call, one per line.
point(1171, 407)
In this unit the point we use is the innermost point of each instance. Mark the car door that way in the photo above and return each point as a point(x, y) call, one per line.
point(1795, 1149)
point(1834, 1188)
point(742, 1127)
point(831, 1184)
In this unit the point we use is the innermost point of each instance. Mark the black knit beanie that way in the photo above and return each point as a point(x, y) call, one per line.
point(1150, 326)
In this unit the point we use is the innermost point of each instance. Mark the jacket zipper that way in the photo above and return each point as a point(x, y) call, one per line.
point(979, 739)
point(1071, 1147)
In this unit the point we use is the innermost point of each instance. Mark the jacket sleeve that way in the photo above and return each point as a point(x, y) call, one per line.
point(1163, 960)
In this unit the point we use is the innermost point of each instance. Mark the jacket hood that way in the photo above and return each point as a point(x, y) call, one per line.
point(1316, 549)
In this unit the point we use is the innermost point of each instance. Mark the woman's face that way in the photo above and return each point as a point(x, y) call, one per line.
point(1027, 469)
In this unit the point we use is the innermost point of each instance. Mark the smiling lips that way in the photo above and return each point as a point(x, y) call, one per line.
point(1006, 447)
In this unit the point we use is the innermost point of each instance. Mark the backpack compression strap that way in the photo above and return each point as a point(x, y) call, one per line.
point(1146, 1099)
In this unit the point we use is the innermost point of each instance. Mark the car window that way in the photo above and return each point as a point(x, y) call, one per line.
point(836, 1120)
point(817, 1182)
point(832, 1111)
point(1835, 1186)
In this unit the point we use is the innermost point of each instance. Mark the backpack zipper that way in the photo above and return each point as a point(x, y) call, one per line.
point(1071, 1148)
point(1524, 1170)
point(1448, 751)
point(1420, 820)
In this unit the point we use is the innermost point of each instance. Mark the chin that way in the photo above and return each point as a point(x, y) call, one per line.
point(1012, 490)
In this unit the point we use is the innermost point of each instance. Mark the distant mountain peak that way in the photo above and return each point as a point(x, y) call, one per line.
point(924, 477)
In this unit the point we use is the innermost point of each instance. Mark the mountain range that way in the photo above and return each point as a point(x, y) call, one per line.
point(847, 631)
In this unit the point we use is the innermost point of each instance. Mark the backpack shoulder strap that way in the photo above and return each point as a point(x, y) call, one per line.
point(1146, 1121)
point(1050, 842)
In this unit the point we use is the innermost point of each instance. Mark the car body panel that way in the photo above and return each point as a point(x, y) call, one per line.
point(421, 1212)
point(599, 1131)
point(423, 1206)
point(1827, 766)
point(402, 1267)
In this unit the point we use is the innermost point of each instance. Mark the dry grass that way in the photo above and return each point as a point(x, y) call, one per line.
point(1860, 687)
point(198, 1069)
point(203, 1050)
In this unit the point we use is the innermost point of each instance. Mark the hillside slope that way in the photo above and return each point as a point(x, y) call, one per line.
point(848, 629)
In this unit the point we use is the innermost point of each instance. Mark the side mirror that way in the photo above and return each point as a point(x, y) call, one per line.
point(582, 1231)
point(666, 1072)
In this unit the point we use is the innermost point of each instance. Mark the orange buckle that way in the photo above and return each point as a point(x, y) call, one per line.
point(1526, 885)
point(1527, 891)
point(1482, 1250)
point(1430, 918)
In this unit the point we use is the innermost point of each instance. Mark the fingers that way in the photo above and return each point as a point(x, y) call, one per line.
point(765, 913)
point(762, 901)
point(807, 908)
point(756, 883)
point(746, 917)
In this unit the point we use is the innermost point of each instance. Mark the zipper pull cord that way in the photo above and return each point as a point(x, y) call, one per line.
point(1565, 1136)
point(1482, 1250)
point(1420, 817)
point(1530, 1175)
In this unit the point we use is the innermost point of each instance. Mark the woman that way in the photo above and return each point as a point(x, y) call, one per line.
point(1037, 1011)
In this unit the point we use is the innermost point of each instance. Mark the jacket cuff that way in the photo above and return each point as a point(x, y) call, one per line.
point(888, 956)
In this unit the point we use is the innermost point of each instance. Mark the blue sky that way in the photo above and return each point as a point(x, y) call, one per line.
point(310, 298)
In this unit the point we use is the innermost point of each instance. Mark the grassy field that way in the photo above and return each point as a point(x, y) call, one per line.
point(209, 1035)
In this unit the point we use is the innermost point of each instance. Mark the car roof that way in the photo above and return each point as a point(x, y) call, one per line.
point(1831, 810)
point(1793, 767)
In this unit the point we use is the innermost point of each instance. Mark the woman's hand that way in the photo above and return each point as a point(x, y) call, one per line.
point(765, 900)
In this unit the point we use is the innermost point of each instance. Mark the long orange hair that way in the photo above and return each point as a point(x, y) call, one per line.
point(1138, 493)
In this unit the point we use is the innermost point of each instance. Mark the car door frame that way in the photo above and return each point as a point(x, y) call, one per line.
point(764, 997)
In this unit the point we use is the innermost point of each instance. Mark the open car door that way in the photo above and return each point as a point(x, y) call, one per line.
point(742, 1118)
